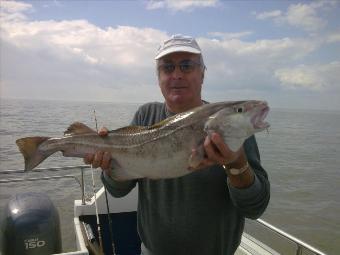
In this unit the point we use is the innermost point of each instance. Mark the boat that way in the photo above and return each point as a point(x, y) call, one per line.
point(117, 219)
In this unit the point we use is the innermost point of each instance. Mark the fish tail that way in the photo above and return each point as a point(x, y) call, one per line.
point(29, 149)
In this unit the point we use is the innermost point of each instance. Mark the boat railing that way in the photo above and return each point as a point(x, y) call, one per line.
point(300, 245)
point(52, 169)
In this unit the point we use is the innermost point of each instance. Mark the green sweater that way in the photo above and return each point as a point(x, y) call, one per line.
point(200, 213)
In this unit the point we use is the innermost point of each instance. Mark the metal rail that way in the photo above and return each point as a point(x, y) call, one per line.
point(300, 245)
point(44, 169)
point(39, 178)
point(81, 182)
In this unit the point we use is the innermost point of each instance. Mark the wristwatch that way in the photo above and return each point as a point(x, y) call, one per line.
point(235, 171)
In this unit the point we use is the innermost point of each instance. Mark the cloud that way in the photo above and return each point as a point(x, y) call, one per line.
point(12, 6)
point(333, 37)
point(236, 64)
point(284, 49)
point(302, 16)
point(82, 41)
point(77, 60)
point(269, 15)
point(180, 5)
point(52, 4)
point(311, 77)
point(48, 57)
point(13, 11)
point(228, 36)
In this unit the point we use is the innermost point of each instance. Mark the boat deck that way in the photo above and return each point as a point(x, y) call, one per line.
point(123, 222)
point(123, 231)
point(126, 240)
point(252, 246)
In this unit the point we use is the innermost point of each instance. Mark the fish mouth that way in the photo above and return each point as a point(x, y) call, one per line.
point(258, 118)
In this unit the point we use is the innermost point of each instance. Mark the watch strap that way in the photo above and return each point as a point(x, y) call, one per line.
point(236, 171)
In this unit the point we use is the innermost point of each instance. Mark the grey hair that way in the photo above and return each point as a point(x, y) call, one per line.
point(203, 67)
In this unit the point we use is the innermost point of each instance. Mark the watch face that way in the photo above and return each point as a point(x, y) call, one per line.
point(234, 171)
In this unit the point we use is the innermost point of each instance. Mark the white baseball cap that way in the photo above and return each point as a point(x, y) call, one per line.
point(178, 43)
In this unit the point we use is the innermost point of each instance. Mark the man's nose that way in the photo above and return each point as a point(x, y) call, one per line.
point(177, 73)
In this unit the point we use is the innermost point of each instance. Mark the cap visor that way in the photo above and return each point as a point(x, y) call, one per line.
point(177, 49)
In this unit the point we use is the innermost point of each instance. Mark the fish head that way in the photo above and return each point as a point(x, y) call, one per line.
point(257, 112)
point(236, 122)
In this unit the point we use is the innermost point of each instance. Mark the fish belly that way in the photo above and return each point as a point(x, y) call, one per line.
point(164, 158)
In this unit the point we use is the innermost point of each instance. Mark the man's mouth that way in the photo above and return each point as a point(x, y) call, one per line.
point(178, 87)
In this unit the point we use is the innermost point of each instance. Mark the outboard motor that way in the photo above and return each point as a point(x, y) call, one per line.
point(30, 226)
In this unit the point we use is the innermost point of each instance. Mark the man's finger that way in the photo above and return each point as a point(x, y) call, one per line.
point(88, 158)
point(106, 162)
point(226, 153)
point(211, 152)
point(98, 157)
point(220, 145)
point(103, 131)
point(203, 164)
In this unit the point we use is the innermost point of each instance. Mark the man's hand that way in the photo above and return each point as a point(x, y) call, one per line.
point(217, 152)
point(100, 159)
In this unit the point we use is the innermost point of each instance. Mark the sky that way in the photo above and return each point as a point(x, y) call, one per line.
point(284, 52)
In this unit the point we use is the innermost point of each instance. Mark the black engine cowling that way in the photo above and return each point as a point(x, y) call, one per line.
point(30, 226)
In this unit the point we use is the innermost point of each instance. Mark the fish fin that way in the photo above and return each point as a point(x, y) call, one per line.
point(197, 157)
point(129, 129)
point(233, 143)
point(136, 129)
point(28, 147)
point(78, 128)
point(160, 124)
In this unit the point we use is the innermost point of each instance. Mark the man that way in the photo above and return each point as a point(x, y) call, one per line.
point(203, 212)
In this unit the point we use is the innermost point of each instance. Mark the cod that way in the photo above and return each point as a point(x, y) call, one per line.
point(163, 150)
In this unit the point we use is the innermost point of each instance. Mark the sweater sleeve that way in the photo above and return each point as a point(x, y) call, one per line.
point(253, 200)
point(117, 188)
point(120, 188)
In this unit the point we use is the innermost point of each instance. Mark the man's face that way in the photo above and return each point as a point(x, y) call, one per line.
point(181, 88)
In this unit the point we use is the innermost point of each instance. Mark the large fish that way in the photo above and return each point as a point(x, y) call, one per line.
point(159, 151)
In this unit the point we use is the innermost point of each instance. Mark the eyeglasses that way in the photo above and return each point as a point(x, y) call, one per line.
point(186, 66)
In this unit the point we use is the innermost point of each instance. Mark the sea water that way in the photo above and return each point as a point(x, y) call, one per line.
point(300, 152)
